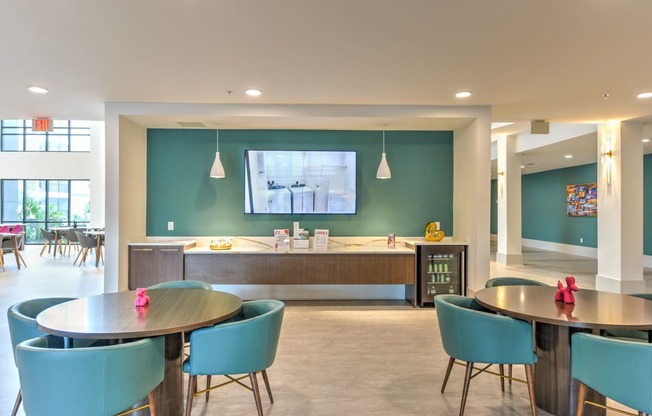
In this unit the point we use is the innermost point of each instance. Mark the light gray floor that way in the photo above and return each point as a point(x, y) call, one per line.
point(334, 358)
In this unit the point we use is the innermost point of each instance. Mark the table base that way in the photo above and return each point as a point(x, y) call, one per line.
point(556, 392)
point(169, 394)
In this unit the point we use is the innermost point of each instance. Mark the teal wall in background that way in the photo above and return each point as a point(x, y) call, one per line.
point(493, 226)
point(180, 190)
point(544, 207)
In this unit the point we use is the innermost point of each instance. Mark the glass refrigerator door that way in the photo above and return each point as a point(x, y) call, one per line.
point(440, 272)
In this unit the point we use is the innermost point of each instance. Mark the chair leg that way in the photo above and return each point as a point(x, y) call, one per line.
point(501, 370)
point(509, 369)
point(465, 390)
point(192, 387)
point(77, 258)
point(254, 386)
point(529, 376)
point(581, 397)
point(451, 361)
point(208, 385)
point(269, 390)
point(47, 243)
point(2, 260)
point(19, 399)
point(152, 403)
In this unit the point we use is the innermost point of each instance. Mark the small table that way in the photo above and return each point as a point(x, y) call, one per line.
point(13, 237)
point(555, 322)
point(171, 312)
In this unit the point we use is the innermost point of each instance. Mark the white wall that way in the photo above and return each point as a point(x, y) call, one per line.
point(64, 165)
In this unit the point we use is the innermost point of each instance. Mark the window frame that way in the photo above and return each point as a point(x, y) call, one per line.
point(68, 132)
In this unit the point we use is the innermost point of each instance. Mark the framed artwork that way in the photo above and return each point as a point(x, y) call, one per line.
point(582, 200)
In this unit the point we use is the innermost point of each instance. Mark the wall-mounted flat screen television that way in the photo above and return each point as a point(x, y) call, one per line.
point(300, 182)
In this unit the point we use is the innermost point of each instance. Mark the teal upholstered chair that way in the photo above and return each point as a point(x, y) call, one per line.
point(182, 284)
point(512, 281)
point(472, 335)
point(91, 381)
point(615, 368)
point(21, 318)
point(632, 335)
point(244, 345)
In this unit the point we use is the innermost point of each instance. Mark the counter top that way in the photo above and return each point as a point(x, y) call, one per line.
point(329, 250)
point(158, 241)
point(421, 241)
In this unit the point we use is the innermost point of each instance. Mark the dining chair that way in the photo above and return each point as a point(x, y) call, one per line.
point(631, 334)
point(244, 345)
point(51, 240)
point(616, 368)
point(12, 244)
point(471, 334)
point(91, 381)
point(512, 281)
point(86, 244)
point(182, 284)
point(21, 318)
point(72, 241)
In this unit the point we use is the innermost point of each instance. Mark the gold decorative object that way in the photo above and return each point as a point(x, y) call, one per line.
point(221, 244)
point(433, 233)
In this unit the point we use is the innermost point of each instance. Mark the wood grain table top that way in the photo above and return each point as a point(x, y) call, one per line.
point(592, 308)
point(114, 316)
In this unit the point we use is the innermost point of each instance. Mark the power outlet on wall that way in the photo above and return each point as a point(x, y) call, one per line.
point(581, 240)
point(170, 225)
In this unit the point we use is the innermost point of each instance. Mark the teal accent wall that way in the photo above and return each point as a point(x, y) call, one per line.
point(647, 204)
point(544, 207)
point(179, 188)
point(493, 227)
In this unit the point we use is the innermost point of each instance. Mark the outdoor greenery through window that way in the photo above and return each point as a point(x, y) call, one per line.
point(45, 204)
point(67, 136)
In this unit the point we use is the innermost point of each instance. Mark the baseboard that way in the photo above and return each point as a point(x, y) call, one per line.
point(562, 248)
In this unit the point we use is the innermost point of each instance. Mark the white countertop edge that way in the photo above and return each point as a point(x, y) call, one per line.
point(334, 250)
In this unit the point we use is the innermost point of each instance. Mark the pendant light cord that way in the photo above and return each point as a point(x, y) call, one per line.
point(217, 135)
point(383, 141)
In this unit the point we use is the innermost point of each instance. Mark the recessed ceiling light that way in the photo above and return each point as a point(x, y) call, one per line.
point(568, 156)
point(644, 95)
point(38, 90)
point(522, 167)
point(463, 94)
point(253, 92)
point(645, 140)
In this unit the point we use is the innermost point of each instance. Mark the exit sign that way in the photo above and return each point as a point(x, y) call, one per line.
point(42, 124)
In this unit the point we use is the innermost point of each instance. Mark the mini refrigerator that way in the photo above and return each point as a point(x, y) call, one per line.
point(440, 270)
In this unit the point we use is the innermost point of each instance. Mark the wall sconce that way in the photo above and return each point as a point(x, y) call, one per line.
point(500, 177)
point(606, 154)
point(217, 171)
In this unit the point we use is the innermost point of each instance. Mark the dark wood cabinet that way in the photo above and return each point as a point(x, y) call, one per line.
point(152, 264)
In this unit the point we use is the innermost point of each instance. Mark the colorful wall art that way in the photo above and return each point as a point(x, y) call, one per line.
point(582, 200)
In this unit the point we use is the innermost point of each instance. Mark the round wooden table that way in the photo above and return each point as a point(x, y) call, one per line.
point(555, 322)
point(171, 312)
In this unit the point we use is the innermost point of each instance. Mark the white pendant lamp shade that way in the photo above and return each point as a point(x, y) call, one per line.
point(383, 169)
point(217, 171)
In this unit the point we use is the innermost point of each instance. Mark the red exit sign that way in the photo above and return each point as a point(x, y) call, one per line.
point(42, 124)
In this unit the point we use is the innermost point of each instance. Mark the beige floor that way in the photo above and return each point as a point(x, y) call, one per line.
point(334, 358)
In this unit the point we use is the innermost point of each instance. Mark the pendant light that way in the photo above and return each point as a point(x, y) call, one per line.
point(383, 169)
point(217, 171)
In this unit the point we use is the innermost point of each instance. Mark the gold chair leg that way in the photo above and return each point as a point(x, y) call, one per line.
point(451, 361)
point(77, 258)
point(529, 376)
point(19, 399)
point(208, 384)
point(2, 260)
point(501, 370)
point(465, 390)
point(44, 246)
point(581, 397)
point(254, 386)
point(192, 387)
point(269, 390)
point(152, 403)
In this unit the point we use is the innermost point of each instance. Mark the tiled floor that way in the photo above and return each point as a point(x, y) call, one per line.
point(334, 358)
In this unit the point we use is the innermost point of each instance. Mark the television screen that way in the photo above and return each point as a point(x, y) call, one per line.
point(300, 182)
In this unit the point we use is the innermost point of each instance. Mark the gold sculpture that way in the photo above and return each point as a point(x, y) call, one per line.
point(433, 233)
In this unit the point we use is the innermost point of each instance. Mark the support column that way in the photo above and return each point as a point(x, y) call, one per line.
point(509, 202)
point(620, 208)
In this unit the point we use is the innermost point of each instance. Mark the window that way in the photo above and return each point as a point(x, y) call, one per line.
point(44, 204)
point(66, 136)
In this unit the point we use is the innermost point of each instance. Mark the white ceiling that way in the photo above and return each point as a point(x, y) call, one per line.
point(549, 60)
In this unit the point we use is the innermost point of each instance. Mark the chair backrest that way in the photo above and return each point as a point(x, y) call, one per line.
point(182, 284)
point(239, 346)
point(86, 241)
point(615, 368)
point(48, 235)
point(468, 333)
point(71, 234)
point(21, 318)
point(87, 381)
point(512, 281)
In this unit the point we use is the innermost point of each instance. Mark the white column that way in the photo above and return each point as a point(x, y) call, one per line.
point(620, 208)
point(509, 202)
